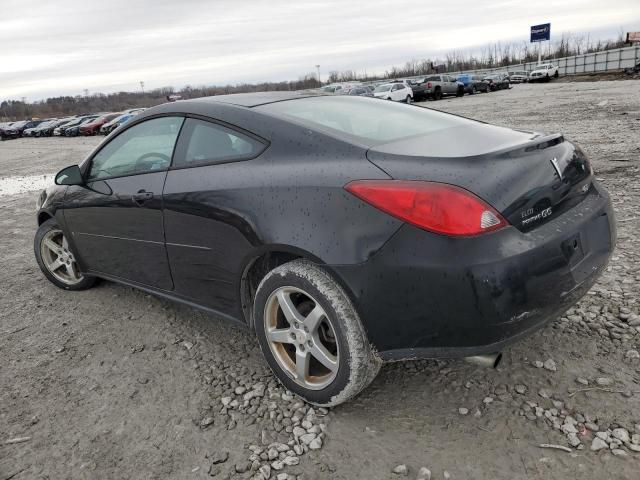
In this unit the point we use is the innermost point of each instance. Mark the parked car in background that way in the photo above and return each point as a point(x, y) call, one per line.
point(93, 127)
point(109, 127)
point(497, 81)
point(44, 129)
point(544, 72)
point(398, 92)
point(23, 125)
point(437, 86)
point(358, 91)
point(473, 83)
point(74, 130)
point(61, 125)
point(519, 76)
point(7, 132)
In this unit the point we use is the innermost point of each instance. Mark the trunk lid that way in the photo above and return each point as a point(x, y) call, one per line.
point(530, 178)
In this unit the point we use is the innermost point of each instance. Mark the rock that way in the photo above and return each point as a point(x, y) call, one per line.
point(582, 381)
point(538, 364)
point(604, 381)
point(568, 428)
point(265, 470)
point(218, 457)
point(401, 470)
point(621, 434)
point(573, 439)
point(463, 411)
point(307, 438)
point(424, 474)
point(632, 354)
point(446, 475)
point(618, 452)
point(291, 461)
point(187, 345)
point(298, 432)
point(598, 444)
point(543, 393)
point(226, 401)
point(316, 444)
point(242, 467)
point(487, 400)
point(521, 389)
point(634, 320)
point(635, 448)
point(205, 422)
point(277, 465)
point(550, 365)
point(240, 390)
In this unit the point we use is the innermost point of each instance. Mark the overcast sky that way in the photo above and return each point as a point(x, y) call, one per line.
point(52, 48)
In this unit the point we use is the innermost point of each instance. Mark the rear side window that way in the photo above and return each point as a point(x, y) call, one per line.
point(206, 143)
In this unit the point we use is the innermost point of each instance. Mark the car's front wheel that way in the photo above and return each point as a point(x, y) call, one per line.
point(56, 260)
point(311, 334)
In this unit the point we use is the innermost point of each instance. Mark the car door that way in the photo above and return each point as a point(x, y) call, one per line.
point(396, 94)
point(115, 219)
point(207, 236)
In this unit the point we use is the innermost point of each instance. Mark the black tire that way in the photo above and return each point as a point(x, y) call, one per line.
point(47, 227)
point(556, 75)
point(473, 90)
point(356, 363)
point(408, 100)
point(460, 92)
point(437, 94)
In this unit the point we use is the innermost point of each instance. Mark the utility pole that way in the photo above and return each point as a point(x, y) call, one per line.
point(319, 81)
point(86, 92)
point(142, 87)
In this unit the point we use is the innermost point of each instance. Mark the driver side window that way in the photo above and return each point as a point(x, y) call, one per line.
point(143, 148)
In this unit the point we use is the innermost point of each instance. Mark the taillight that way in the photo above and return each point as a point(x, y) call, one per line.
point(429, 85)
point(437, 207)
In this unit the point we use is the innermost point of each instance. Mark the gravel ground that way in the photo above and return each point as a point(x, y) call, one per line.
point(114, 383)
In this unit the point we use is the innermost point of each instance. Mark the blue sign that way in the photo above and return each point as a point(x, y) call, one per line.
point(540, 33)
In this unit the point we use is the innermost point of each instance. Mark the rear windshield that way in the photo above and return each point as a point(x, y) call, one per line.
point(367, 120)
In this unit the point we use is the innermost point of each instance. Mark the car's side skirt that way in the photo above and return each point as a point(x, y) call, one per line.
point(168, 296)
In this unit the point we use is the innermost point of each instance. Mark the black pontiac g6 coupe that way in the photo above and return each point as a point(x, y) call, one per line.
point(344, 231)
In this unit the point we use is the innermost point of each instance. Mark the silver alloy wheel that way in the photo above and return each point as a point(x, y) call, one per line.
point(301, 337)
point(58, 259)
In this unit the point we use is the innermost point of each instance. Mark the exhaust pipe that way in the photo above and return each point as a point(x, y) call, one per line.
point(490, 361)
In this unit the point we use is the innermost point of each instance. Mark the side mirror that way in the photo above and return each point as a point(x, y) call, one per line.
point(70, 176)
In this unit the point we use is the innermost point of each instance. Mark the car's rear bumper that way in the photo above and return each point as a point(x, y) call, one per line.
point(427, 295)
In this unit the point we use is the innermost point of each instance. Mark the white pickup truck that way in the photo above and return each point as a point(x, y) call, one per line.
point(544, 72)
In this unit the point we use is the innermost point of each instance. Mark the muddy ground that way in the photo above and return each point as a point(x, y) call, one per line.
point(113, 383)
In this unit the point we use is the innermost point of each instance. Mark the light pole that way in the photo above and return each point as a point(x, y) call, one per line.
point(319, 81)
point(142, 87)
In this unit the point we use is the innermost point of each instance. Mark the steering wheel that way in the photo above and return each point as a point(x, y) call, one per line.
point(154, 155)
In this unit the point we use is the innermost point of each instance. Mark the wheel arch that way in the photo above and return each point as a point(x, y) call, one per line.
point(43, 216)
point(261, 262)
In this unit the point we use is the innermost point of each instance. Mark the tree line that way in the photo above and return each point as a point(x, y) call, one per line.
point(491, 56)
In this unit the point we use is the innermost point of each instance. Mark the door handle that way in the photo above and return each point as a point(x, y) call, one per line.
point(141, 197)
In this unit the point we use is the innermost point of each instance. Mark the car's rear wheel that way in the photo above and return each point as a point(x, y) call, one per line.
point(56, 260)
point(437, 95)
point(473, 90)
point(460, 92)
point(408, 100)
point(311, 334)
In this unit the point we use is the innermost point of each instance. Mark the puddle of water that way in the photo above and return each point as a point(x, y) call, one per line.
point(15, 185)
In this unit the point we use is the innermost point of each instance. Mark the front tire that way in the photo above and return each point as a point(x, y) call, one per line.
point(56, 260)
point(311, 334)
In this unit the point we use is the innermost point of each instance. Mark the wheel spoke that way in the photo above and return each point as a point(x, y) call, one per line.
point(65, 244)
point(314, 318)
point(72, 270)
point(54, 265)
point(291, 314)
point(302, 365)
point(323, 355)
point(51, 245)
point(280, 335)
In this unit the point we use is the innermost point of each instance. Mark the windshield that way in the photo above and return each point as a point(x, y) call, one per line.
point(382, 88)
point(366, 120)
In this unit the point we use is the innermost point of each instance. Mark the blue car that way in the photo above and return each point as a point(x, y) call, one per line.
point(473, 83)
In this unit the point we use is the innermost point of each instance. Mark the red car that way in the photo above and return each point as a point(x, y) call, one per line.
point(93, 127)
